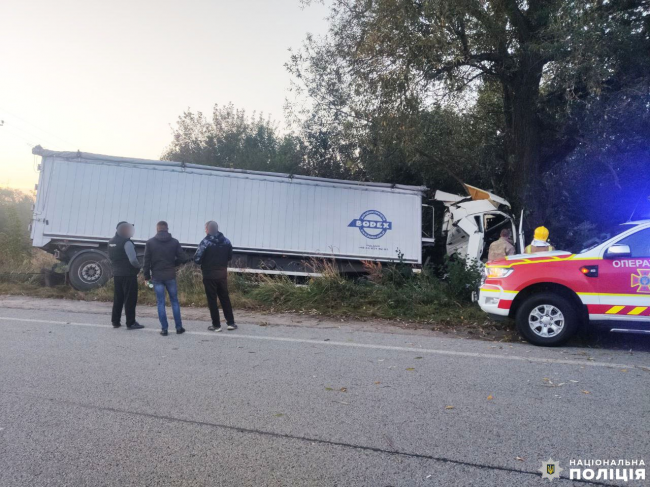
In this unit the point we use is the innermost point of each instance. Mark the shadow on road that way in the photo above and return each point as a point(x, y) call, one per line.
point(604, 339)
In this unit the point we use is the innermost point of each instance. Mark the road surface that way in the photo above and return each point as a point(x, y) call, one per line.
point(84, 404)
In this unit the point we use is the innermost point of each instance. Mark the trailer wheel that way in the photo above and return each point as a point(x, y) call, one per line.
point(89, 270)
point(547, 319)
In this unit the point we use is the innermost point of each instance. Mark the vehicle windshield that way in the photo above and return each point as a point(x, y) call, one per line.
point(604, 236)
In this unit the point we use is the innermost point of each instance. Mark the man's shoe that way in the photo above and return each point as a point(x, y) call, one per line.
point(117, 325)
point(164, 333)
point(214, 328)
point(180, 331)
point(232, 326)
point(134, 326)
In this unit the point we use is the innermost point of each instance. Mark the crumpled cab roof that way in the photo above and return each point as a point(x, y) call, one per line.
point(475, 194)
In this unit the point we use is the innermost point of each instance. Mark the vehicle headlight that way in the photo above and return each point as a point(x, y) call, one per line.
point(498, 272)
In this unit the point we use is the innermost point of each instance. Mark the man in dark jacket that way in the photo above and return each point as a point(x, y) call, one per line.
point(121, 253)
point(161, 256)
point(213, 255)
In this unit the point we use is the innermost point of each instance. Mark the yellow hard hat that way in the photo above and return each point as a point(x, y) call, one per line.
point(541, 233)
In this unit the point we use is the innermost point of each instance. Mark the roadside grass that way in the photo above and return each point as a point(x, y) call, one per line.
point(388, 292)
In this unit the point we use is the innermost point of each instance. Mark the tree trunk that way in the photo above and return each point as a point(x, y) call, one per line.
point(521, 93)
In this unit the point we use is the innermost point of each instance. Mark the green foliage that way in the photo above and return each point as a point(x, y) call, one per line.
point(234, 140)
point(546, 102)
point(15, 215)
point(462, 277)
point(389, 293)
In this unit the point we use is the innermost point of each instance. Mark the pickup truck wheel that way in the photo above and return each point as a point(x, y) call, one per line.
point(547, 319)
point(89, 270)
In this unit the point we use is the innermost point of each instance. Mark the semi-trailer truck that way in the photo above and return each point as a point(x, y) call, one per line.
point(278, 223)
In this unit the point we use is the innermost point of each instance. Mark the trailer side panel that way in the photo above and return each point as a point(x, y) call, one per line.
point(83, 199)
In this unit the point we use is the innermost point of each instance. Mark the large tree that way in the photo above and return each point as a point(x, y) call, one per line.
point(231, 138)
point(556, 66)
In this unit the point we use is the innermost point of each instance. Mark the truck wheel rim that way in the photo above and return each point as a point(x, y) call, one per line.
point(90, 272)
point(546, 321)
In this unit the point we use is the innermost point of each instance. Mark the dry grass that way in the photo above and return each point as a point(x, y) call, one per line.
point(387, 292)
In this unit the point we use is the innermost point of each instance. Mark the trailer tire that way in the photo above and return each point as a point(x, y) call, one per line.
point(547, 319)
point(89, 270)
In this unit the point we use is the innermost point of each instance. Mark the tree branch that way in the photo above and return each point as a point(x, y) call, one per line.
point(519, 20)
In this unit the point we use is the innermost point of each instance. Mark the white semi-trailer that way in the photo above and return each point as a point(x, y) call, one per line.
point(276, 222)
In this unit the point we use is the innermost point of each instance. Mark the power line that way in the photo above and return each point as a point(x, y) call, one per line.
point(4, 127)
point(30, 135)
point(67, 142)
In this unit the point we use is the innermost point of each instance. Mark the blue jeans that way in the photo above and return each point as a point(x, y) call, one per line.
point(159, 287)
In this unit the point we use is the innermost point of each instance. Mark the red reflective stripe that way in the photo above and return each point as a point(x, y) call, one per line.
point(598, 309)
point(504, 304)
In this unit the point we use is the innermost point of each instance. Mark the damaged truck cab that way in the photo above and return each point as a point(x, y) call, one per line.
point(471, 223)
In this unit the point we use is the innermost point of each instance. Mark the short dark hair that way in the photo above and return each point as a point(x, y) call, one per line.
point(506, 232)
point(211, 223)
point(162, 226)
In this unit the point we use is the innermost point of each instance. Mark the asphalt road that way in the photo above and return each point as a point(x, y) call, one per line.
point(84, 404)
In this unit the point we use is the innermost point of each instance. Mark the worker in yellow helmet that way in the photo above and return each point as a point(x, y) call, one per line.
point(540, 242)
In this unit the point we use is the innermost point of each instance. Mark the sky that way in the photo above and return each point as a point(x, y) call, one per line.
point(111, 77)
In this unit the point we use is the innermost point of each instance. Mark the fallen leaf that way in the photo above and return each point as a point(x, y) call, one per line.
point(279, 415)
point(377, 382)
point(489, 398)
point(586, 392)
point(344, 389)
point(416, 358)
point(410, 368)
point(623, 370)
point(449, 407)
point(329, 389)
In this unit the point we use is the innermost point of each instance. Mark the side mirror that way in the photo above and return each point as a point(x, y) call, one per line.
point(617, 251)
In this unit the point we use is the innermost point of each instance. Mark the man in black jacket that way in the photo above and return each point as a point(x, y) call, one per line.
point(161, 256)
point(121, 253)
point(213, 254)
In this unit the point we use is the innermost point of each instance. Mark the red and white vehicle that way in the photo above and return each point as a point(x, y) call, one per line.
point(551, 293)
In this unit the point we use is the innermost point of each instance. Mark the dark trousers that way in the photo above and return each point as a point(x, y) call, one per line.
point(218, 288)
point(125, 296)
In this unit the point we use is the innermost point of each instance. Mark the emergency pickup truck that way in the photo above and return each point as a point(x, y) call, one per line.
point(551, 294)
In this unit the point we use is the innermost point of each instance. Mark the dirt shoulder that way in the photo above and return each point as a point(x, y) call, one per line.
point(485, 332)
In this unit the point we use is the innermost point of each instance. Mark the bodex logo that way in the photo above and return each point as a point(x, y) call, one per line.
point(372, 224)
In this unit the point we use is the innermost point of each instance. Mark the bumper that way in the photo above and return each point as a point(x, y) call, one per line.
point(495, 301)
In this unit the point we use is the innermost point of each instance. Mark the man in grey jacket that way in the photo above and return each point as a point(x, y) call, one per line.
point(121, 253)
